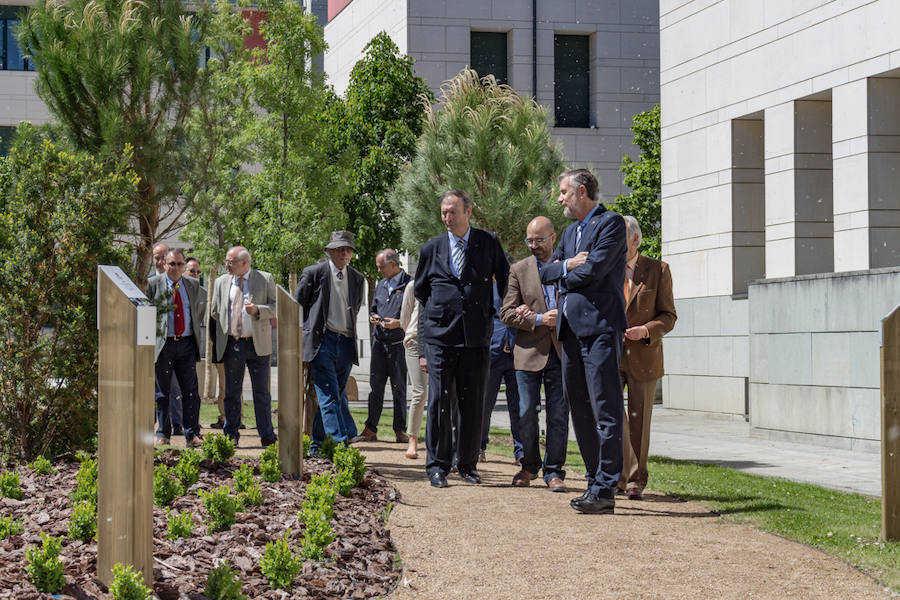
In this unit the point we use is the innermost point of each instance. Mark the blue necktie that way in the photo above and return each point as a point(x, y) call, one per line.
point(578, 230)
point(460, 258)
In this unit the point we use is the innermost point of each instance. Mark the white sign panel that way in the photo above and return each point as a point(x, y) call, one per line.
point(146, 311)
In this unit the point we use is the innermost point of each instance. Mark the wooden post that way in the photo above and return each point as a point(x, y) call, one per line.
point(290, 383)
point(890, 426)
point(127, 324)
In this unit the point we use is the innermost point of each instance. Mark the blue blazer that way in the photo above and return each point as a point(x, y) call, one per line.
point(592, 293)
point(459, 312)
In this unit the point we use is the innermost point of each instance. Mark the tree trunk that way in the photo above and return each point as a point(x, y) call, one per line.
point(148, 223)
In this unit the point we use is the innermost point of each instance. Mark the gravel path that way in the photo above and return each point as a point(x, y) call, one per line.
point(494, 541)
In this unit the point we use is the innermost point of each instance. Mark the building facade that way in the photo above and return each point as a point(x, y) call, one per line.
point(594, 64)
point(781, 210)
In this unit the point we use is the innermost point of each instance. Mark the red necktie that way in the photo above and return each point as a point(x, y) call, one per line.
point(179, 312)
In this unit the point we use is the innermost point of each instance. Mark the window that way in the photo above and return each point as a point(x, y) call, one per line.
point(11, 58)
point(6, 133)
point(572, 83)
point(488, 54)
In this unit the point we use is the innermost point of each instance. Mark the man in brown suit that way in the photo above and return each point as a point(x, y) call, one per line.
point(530, 307)
point(650, 310)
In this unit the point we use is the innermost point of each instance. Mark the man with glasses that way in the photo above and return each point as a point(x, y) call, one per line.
point(177, 346)
point(243, 306)
point(160, 251)
point(530, 307)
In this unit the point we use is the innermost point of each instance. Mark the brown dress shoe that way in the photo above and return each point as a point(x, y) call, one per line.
point(162, 441)
point(196, 442)
point(367, 435)
point(523, 478)
point(556, 485)
point(402, 438)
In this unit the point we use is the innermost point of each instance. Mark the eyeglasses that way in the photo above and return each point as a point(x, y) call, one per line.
point(175, 264)
point(535, 241)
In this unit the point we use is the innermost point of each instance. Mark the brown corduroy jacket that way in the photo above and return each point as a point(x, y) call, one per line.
point(651, 304)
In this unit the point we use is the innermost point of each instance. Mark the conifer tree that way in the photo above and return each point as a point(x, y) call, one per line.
point(486, 139)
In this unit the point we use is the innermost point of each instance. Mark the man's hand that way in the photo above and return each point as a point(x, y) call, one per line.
point(389, 323)
point(251, 308)
point(549, 318)
point(523, 312)
point(576, 261)
point(638, 332)
point(423, 364)
point(375, 319)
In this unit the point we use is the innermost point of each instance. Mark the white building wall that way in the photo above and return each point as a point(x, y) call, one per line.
point(730, 59)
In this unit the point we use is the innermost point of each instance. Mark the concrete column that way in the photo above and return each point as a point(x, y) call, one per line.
point(798, 180)
point(866, 164)
point(748, 202)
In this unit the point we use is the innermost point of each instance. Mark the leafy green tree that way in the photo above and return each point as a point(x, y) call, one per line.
point(126, 73)
point(58, 211)
point(488, 140)
point(644, 178)
point(378, 124)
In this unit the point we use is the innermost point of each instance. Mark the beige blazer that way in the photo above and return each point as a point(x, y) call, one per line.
point(532, 343)
point(651, 304)
point(261, 292)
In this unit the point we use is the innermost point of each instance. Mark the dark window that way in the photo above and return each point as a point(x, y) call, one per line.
point(6, 133)
point(572, 83)
point(489, 54)
point(10, 54)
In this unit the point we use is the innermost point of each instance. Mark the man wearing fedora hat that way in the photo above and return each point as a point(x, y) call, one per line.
point(331, 294)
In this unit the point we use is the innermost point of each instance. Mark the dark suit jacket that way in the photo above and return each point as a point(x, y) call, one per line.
point(592, 293)
point(157, 288)
point(314, 293)
point(651, 304)
point(386, 304)
point(459, 312)
point(533, 343)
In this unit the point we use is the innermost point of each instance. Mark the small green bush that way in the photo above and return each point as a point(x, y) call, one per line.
point(83, 522)
point(187, 469)
point(252, 496)
point(44, 567)
point(86, 480)
point(317, 533)
point(223, 584)
point(270, 471)
point(320, 494)
point(10, 526)
point(270, 454)
point(243, 478)
point(327, 448)
point(344, 482)
point(307, 443)
point(41, 466)
point(128, 584)
point(166, 486)
point(352, 461)
point(279, 564)
point(10, 486)
point(179, 525)
point(221, 507)
point(217, 447)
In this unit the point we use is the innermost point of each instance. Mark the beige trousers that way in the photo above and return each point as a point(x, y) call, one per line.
point(636, 432)
point(419, 396)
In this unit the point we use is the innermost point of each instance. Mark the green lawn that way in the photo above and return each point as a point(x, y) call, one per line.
point(842, 524)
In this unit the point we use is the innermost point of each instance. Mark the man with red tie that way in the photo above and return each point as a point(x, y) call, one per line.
point(177, 346)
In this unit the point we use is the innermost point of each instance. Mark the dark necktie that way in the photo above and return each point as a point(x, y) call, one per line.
point(179, 311)
point(460, 259)
point(340, 275)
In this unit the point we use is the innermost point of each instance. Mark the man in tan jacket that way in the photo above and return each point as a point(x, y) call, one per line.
point(650, 310)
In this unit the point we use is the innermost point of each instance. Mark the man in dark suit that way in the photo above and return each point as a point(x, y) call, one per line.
point(177, 346)
point(331, 294)
point(650, 309)
point(589, 267)
point(243, 306)
point(530, 307)
point(454, 283)
point(388, 356)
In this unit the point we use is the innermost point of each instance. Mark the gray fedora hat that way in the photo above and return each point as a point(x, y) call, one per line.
point(340, 239)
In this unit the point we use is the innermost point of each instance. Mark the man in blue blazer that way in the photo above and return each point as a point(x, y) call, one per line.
point(454, 283)
point(589, 267)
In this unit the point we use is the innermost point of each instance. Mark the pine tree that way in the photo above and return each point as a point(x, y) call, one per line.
point(486, 139)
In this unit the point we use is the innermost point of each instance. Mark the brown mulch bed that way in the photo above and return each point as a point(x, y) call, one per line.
point(362, 558)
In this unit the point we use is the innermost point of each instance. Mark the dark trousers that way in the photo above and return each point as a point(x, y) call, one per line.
point(593, 391)
point(388, 361)
point(178, 360)
point(557, 418)
point(330, 370)
point(502, 370)
point(456, 381)
point(240, 354)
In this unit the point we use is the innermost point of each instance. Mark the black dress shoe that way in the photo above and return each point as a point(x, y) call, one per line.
point(594, 505)
point(438, 480)
point(269, 441)
point(177, 430)
point(575, 501)
point(471, 476)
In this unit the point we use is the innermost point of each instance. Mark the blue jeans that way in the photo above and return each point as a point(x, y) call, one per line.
point(240, 353)
point(502, 369)
point(177, 361)
point(330, 370)
point(388, 360)
point(557, 418)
